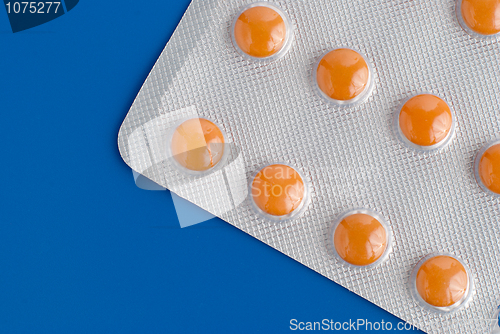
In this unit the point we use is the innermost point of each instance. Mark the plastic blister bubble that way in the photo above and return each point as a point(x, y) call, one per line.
point(203, 148)
point(491, 170)
point(286, 43)
point(444, 281)
point(371, 241)
point(486, 27)
point(354, 101)
point(437, 124)
point(276, 191)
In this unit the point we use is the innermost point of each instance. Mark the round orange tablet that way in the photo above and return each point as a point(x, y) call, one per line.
point(442, 281)
point(360, 239)
point(481, 16)
point(425, 120)
point(278, 190)
point(260, 31)
point(342, 74)
point(197, 144)
point(489, 168)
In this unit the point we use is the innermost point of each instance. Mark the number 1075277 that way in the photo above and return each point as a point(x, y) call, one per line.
point(33, 7)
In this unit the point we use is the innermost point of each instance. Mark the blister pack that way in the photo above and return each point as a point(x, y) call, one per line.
point(357, 137)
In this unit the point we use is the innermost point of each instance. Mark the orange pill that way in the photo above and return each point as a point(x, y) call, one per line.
point(197, 144)
point(342, 74)
point(482, 16)
point(360, 239)
point(260, 32)
point(425, 120)
point(442, 281)
point(489, 168)
point(278, 190)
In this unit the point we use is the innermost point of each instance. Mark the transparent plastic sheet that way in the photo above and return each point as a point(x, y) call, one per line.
point(350, 157)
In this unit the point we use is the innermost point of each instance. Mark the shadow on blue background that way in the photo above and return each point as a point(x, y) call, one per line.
point(82, 249)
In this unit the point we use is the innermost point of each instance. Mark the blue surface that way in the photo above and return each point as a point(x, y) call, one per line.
point(82, 249)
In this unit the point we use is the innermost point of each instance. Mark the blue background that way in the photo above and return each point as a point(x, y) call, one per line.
point(82, 249)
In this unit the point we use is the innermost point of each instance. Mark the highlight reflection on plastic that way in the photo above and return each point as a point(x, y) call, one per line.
point(425, 120)
point(482, 16)
point(360, 239)
point(197, 144)
point(260, 32)
point(442, 281)
point(489, 168)
point(342, 74)
point(278, 190)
